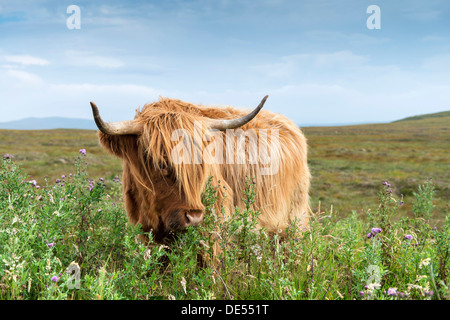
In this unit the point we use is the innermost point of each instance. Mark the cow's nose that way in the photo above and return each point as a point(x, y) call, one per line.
point(193, 217)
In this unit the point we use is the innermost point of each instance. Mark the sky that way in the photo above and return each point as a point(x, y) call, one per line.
point(318, 60)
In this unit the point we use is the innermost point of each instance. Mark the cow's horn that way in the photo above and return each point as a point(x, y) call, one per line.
point(114, 128)
point(235, 123)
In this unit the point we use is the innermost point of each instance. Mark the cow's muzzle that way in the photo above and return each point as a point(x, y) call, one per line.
point(193, 217)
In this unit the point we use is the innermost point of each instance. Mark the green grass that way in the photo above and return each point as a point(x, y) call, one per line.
point(80, 219)
point(347, 163)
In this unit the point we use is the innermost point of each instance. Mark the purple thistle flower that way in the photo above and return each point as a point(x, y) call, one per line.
point(361, 294)
point(83, 152)
point(63, 176)
point(7, 156)
point(51, 244)
point(392, 292)
point(101, 179)
point(58, 180)
point(55, 279)
point(33, 182)
point(369, 235)
point(401, 203)
point(376, 230)
point(386, 184)
point(408, 236)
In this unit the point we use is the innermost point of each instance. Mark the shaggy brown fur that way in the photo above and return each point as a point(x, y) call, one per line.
point(158, 192)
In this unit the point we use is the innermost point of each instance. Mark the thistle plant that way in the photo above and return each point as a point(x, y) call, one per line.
point(78, 220)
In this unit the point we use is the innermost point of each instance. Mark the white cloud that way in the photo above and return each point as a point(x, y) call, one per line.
point(437, 63)
point(26, 60)
point(24, 76)
point(353, 39)
point(300, 63)
point(88, 88)
point(87, 59)
point(435, 38)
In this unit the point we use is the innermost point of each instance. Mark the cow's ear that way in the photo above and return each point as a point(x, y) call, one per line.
point(120, 146)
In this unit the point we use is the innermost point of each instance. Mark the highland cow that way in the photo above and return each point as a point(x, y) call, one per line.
point(171, 148)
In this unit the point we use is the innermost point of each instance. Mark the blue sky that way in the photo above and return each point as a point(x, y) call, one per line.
point(317, 60)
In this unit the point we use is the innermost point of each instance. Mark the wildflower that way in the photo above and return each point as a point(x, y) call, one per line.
point(63, 176)
point(429, 293)
point(101, 179)
point(55, 279)
point(51, 244)
point(401, 203)
point(361, 294)
point(434, 228)
point(386, 184)
point(7, 156)
point(33, 182)
point(424, 262)
point(373, 232)
point(408, 236)
point(83, 152)
point(392, 291)
point(58, 180)
point(376, 230)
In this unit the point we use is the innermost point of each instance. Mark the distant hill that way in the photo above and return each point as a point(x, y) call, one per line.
point(443, 114)
point(49, 123)
point(71, 123)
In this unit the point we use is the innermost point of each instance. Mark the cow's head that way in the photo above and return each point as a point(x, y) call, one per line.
point(162, 193)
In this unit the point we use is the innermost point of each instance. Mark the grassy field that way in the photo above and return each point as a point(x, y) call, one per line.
point(348, 163)
point(70, 238)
